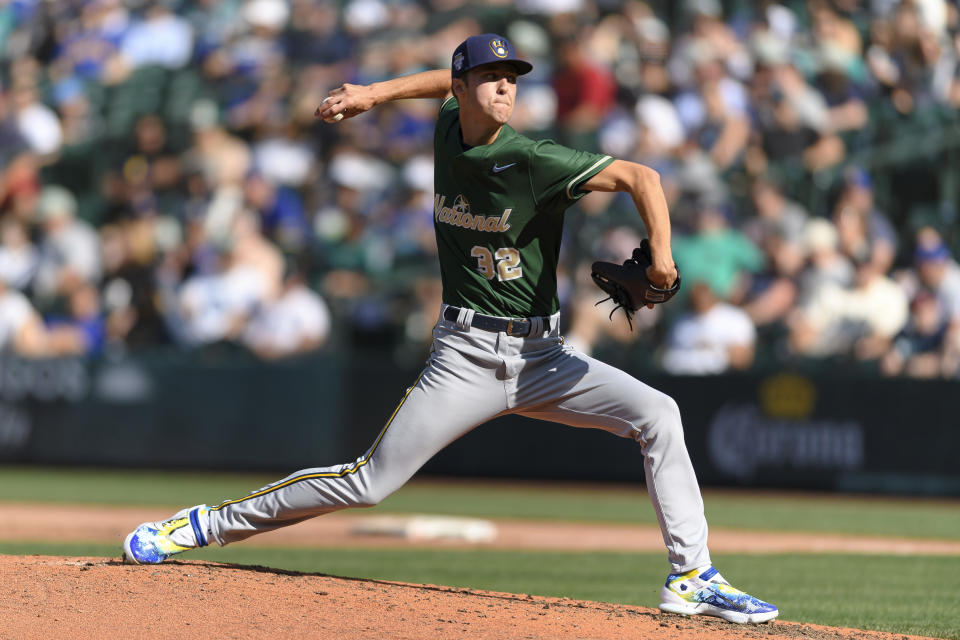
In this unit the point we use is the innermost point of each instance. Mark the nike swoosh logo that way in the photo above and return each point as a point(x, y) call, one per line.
point(497, 169)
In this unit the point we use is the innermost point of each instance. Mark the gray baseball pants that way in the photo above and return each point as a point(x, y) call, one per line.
point(471, 377)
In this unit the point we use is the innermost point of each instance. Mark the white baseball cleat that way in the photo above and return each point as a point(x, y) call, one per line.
point(154, 542)
point(704, 592)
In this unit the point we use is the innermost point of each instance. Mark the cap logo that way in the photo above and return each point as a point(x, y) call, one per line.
point(499, 48)
point(458, 61)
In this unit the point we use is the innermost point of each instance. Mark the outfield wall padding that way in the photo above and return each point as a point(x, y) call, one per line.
point(210, 410)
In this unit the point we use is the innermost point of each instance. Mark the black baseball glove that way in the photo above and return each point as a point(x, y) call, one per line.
point(627, 284)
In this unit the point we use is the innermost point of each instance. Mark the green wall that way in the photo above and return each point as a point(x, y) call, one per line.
point(230, 411)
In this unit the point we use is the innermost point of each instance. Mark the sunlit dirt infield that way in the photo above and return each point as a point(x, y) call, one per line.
point(58, 597)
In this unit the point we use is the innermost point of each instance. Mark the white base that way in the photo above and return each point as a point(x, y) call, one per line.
point(428, 528)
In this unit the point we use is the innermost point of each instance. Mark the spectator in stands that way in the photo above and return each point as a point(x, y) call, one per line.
point(865, 232)
point(88, 49)
point(20, 189)
point(939, 274)
point(660, 133)
point(314, 34)
point(714, 109)
point(950, 63)
point(652, 38)
point(21, 328)
point(223, 161)
point(774, 290)
point(938, 271)
point(777, 229)
point(793, 118)
point(683, 91)
point(280, 210)
point(222, 158)
point(352, 248)
point(213, 22)
point(832, 30)
point(37, 123)
point(250, 248)
point(919, 350)
point(216, 307)
point(17, 165)
point(718, 254)
point(283, 156)
point(585, 90)
point(161, 38)
point(714, 337)
point(18, 256)
point(411, 225)
point(83, 331)
point(826, 265)
point(902, 57)
point(260, 103)
point(709, 33)
point(296, 322)
point(80, 121)
point(131, 301)
point(776, 215)
point(69, 249)
point(250, 53)
point(846, 106)
point(149, 170)
point(861, 321)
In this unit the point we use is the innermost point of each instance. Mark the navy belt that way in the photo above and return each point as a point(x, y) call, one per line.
point(519, 327)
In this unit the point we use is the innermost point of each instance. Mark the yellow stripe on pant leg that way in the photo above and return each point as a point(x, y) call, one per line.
point(338, 474)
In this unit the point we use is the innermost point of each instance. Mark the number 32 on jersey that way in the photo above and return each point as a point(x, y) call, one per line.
point(503, 264)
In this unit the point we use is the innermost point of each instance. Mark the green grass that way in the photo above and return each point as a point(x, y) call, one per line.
point(126, 487)
point(914, 595)
point(743, 510)
point(619, 504)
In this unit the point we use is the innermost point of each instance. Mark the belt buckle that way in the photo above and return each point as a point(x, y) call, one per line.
point(510, 327)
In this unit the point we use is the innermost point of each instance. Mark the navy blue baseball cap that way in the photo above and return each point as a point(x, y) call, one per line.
point(484, 49)
point(932, 252)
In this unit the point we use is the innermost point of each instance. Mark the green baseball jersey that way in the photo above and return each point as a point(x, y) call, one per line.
point(498, 215)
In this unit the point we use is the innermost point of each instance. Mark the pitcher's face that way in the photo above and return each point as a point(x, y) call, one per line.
point(488, 92)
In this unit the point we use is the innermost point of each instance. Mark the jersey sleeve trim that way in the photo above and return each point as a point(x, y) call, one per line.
point(588, 172)
point(444, 103)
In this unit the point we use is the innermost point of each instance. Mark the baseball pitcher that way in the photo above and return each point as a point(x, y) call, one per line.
point(498, 213)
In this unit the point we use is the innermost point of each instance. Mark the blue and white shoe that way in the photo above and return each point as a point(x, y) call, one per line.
point(154, 542)
point(705, 592)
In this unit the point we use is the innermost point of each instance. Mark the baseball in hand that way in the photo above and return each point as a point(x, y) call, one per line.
point(336, 118)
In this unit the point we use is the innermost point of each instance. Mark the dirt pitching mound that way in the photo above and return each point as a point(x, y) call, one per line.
point(55, 597)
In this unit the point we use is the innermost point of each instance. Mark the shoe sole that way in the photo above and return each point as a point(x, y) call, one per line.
point(704, 609)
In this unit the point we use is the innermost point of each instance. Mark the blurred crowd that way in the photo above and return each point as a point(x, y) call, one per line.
point(164, 183)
